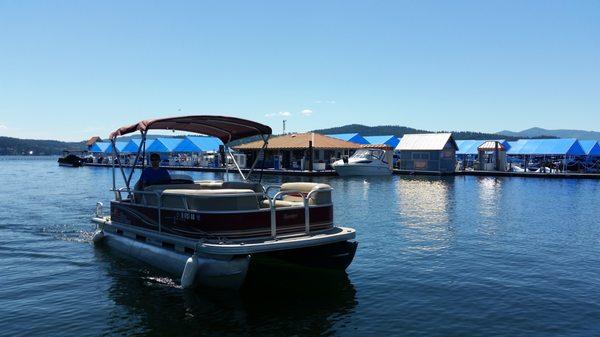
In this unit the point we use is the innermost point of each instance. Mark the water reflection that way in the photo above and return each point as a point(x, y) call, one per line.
point(274, 300)
point(424, 206)
point(489, 190)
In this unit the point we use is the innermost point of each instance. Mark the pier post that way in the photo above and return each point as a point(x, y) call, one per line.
point(310, 155)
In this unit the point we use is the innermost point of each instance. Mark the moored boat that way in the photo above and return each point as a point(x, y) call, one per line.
point(207, 232)
point(366, 162)
point(71, 159)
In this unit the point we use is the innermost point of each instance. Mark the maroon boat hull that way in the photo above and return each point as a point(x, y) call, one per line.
point(334, 256)
point(196, 224)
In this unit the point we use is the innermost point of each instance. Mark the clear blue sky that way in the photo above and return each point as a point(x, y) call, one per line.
point(72, 69)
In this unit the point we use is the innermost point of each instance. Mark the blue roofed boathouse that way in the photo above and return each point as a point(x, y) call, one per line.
point(350, 137)
point(389, 140)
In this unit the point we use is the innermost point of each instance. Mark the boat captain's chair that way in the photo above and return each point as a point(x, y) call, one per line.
point(321, 195)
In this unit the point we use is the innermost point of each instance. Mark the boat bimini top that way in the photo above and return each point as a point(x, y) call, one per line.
point(227, 129)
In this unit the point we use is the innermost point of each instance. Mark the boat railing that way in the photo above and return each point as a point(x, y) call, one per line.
point(305, 202)
point(272, 205)
point(272, 202)
point(157, 194)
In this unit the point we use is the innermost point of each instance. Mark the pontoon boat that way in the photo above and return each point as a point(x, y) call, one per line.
point(207, 232)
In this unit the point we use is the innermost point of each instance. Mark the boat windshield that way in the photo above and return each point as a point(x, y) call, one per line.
point(370, 154)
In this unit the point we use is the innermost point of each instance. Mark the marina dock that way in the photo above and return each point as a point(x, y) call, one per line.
point(233, 170)
point(569, 175)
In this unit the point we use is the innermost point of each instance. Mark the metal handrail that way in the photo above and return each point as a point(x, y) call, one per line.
point(273, 209)
point(307, 209)
point(305, 201)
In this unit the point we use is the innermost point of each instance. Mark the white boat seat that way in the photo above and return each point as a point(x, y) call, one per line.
point(196, 185)
point(321, 197)
point(209, 184)
point(217, 186)
point(151, 199)
point(211, 200)
point(206, 193)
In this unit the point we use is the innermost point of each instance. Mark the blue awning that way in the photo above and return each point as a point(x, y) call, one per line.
point(120, 146)
point(198, 144)
point(163, 145)
point(389, 140)
point(516, 146)
point(590, 147)
point(350, 137)
point(132, 146)
point(546, 147)
point(99, 147)
point(468, 147)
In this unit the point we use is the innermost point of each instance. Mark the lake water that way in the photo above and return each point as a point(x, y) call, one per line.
point(455, 256)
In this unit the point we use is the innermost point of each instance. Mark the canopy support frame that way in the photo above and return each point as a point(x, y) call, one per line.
point(262, 150)
point(116, 156)
point(135, 161)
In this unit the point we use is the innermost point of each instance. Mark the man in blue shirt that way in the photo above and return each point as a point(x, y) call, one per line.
point(154, 175)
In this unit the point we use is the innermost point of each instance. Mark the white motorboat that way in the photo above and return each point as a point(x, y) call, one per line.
point(365, 162)
point(207, 232)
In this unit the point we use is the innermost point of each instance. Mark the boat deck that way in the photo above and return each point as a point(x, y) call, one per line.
point(241, 246)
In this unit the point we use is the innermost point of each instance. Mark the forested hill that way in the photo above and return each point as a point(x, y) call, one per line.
point(16, 146)
point(545, 133)
point(400, 131)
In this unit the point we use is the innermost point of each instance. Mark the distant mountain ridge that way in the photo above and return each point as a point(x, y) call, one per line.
point(561, 133)
point(400, 131)
point(16, 146)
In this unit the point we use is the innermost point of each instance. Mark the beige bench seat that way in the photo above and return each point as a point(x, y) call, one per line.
point(211, 200)
point(322, 195)
point(197, 185)
point(281, 203)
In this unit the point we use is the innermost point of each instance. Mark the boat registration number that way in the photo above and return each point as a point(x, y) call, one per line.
point(187, 216)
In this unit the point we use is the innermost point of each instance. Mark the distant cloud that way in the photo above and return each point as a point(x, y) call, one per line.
point(321, 101)
point(280, 113)
point(3, 127)
point(306, 112)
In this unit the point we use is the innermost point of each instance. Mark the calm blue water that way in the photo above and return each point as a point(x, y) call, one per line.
point(460, 256)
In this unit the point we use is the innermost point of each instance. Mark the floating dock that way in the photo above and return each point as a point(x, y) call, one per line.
point(568, 175)
point(233, 170)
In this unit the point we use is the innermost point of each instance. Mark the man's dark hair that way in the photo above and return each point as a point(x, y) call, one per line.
point(154, 156)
